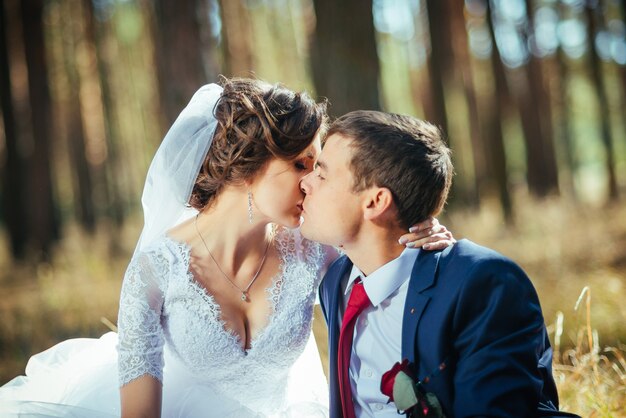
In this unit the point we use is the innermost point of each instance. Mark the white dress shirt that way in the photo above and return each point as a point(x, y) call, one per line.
point(377, 342)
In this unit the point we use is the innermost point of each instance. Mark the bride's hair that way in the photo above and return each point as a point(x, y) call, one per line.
point(257, 122)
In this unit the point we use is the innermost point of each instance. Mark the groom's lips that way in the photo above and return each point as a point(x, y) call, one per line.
point(299, 205)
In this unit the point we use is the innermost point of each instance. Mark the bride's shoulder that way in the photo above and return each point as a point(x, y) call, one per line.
point(161, 253)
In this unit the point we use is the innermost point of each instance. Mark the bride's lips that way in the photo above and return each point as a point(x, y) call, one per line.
point(299, 205)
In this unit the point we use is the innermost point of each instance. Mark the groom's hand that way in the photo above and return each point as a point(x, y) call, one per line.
point(429, 234)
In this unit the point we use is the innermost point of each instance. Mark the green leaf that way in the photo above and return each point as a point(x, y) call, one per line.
point(404, 392)
point(435, 407)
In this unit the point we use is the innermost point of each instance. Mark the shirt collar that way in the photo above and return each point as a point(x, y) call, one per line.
point(386, 279)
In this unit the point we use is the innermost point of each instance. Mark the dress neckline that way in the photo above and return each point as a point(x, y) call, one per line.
point(271, 292)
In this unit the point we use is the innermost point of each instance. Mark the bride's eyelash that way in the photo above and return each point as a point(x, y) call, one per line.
point(301, 166)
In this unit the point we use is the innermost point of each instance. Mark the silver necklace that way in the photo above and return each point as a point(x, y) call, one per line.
point(244, 292)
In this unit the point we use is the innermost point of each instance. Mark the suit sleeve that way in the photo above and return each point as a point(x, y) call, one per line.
point(498, 333)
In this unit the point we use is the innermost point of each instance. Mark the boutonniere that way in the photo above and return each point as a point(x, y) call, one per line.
point(408, 393)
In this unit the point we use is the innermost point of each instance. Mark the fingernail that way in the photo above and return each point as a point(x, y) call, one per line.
point(426, 246)
point(410, 245)
point(414, 229)
point(403, 240)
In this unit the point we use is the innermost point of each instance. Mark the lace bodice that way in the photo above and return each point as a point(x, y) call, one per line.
point(169, 323)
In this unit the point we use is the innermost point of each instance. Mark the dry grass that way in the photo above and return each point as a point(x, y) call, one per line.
point(564, 249)
point(46, 303)
point(591, 380)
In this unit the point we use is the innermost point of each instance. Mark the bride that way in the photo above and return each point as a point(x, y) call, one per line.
point(217, 301)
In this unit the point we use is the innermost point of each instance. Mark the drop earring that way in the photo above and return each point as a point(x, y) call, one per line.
point(250, 217)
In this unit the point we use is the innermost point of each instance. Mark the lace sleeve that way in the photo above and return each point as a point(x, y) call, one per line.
point(140, 348)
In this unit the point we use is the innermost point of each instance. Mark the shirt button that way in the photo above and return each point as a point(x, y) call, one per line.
point(378, 407)
point(368, 373)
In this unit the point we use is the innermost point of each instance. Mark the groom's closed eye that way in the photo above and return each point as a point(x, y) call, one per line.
point(321, 165)
point(318, 170)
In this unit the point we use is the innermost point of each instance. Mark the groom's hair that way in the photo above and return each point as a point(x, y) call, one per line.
point(406, 155)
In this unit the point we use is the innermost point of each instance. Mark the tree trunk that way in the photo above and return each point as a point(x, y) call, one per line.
point(96, 34)
point(82, 181)
point(438, 61)
point(565, 121)
point(42, 210)
point(541, 166)
point(13, 179)
point(442, 70)
point(603, 104)
point(463, 64)
point(237, 39)
point(495, 141)
point(179, 53)
point(343, 55)
point(622, 68)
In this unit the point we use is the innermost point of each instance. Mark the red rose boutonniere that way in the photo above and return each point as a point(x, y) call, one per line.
point(408, 394)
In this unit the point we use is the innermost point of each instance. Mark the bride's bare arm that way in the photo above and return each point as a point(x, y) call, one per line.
point(141, 398)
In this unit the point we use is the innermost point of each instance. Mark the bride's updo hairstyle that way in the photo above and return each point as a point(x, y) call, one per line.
point(256, 122)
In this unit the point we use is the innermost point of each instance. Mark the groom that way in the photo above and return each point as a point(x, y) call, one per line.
point(467, 319)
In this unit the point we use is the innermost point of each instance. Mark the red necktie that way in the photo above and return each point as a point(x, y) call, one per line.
point(357, 302)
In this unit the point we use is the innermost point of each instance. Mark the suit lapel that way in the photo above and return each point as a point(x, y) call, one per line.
point(333, 300)
point(422, 278)
point(336, 295)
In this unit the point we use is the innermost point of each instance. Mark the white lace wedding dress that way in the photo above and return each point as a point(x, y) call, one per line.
point(170, 328)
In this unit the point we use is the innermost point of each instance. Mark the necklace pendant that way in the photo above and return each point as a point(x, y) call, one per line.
point(244, 297)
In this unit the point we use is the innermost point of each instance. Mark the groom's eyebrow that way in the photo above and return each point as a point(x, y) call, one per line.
point(321, 164)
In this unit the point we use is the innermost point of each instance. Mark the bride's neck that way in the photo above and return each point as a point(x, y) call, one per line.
point(225, 227)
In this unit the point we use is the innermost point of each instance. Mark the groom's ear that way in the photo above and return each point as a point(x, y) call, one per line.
point(378, 203)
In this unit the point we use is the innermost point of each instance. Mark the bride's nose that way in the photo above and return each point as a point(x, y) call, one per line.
point(304, 184)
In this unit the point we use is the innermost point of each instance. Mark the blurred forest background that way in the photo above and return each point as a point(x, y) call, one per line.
point(531, 94)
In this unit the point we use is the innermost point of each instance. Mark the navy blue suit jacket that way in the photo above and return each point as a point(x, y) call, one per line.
point(472, 324)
